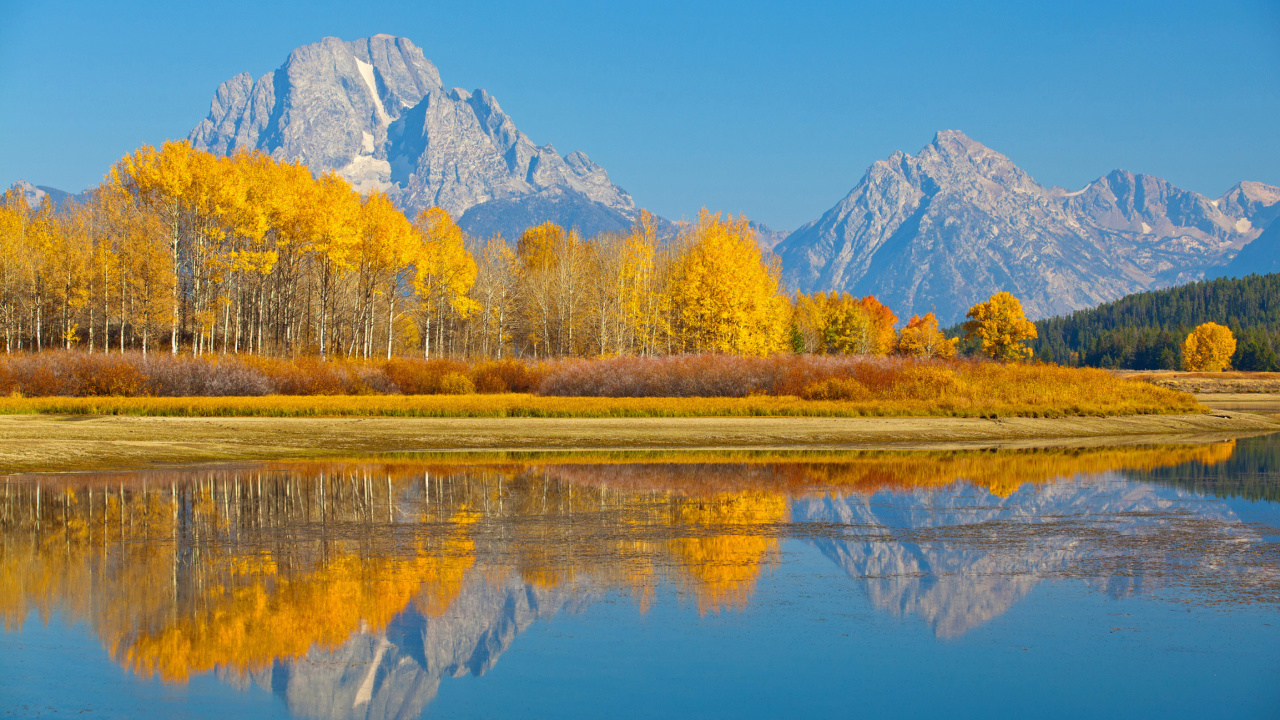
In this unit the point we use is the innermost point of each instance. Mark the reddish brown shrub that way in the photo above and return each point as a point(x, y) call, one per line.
point(836, 389)
point(421, 377)
point(508, 375)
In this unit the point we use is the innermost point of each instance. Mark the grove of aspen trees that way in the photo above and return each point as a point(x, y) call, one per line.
point(179, 250)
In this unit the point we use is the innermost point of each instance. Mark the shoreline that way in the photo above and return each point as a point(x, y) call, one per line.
point(79, 443)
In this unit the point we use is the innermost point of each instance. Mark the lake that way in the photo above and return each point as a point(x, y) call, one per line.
point(1108, 582)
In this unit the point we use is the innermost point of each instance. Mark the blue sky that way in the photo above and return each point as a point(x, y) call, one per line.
point(772, 109)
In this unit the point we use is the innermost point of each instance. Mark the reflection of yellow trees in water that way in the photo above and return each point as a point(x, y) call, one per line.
point(246, 628)
point(180, 573)
point(741, 535)
point(189, 578)
point(1001, 472)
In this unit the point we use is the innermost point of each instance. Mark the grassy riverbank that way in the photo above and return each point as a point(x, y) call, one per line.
point(49, 443)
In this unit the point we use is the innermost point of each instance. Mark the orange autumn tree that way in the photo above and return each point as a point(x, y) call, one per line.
point(724, 296)
point(922, 338)
point(838, 323)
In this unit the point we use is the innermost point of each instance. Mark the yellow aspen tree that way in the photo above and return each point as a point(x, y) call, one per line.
point(107, 205)
point(495, 291)
point(608, 279)
point(810, 316)
point(15, 265)
point(160, 180)
point(188, 189)
point(445, 271)
point(1001, 327)
point(570, 291)
point(383, 252)
point(42, 238)
point(839, 323)
point(331, 221)
point(1208, 348)
point(536, 250)
point(65, 268)
point(723, 294)
point(921, 338)
point(278, 292)
point(645, 304)
point(849, 330)
point(148, 276)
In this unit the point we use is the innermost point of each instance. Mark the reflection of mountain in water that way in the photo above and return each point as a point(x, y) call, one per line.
point(397, 672)
point(958, 557)
point(351, 589)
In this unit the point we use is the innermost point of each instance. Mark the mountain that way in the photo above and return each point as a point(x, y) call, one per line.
point(1259, 257)
point(766, 237)
point(35, 194)
point(946, 228)
point(376, 111)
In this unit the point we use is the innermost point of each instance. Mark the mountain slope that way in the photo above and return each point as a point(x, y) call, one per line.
point(948, 227)
point(1258, 257)
point(376, 111)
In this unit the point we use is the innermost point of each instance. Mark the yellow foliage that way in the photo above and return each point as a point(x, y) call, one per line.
point(1002, 327)
point(725, 563)
point(1209, 348)
point(724, 296)
point(446, 271)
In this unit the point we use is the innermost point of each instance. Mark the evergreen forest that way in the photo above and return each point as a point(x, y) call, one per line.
point(1145, 331)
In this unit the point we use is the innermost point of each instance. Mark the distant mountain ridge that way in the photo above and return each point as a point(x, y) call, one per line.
point(946, 228)
point(35, 194)
point(376, 111)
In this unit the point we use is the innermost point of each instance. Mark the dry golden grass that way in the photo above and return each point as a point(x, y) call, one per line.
point(1030, 401)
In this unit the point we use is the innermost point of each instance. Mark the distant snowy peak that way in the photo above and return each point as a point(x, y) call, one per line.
point(376, 111)
point(949, 226)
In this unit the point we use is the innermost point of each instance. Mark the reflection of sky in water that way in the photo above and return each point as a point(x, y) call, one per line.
point(1095, 595)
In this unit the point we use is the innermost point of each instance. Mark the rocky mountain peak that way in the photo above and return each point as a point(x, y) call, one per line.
point(34, 195)
point(1256, 202)
point(375, 110)
point(30, 193)
point(946, 228)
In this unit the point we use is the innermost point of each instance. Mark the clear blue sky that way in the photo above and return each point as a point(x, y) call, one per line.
point(770, 109)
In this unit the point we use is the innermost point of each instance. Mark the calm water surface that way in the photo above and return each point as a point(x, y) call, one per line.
point(1088, 583)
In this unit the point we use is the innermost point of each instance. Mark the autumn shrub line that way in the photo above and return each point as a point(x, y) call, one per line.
point(947, 386)
point(78, 374)
point(519, 405)
point(665, 386)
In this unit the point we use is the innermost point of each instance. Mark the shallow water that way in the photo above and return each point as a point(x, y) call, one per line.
point(1100, 583)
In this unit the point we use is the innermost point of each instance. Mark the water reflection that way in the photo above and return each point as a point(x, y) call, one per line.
point(353, 588)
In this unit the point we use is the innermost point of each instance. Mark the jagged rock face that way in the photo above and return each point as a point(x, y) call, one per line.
point(376, 111)
point(944, 229)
